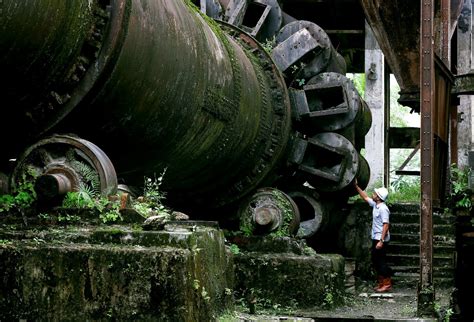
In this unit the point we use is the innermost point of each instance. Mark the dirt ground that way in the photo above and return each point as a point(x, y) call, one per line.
point(398, 305)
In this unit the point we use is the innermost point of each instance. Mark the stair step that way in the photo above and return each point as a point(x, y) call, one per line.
point(414, 238)
point(414, 248)
point(414, 260)
point(415, 270)
point(413, 228)
point(438, 219)
point(404, 208)
point(412, 281)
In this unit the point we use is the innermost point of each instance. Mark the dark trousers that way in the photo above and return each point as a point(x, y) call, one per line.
point(379, 260)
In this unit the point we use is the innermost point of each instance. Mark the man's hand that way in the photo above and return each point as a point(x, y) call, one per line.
point(379, 245)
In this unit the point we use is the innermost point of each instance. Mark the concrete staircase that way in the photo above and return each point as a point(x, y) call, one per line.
point(403, 255)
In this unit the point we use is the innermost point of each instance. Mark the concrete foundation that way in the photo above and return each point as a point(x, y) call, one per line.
point(295, 278)
point(55, 271)
point(82, 273)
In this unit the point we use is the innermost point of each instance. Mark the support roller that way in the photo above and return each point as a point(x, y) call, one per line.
point(64, 163)
point(267, 211)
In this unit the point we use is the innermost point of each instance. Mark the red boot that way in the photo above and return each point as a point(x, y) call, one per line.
point(386, 285)
point(380, 279)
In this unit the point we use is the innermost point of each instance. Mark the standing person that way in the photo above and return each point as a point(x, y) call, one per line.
point(380, 235)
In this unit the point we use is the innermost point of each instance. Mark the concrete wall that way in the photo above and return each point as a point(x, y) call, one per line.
point(464, 65)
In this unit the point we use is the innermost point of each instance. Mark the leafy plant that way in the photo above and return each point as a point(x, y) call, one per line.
point(300, 81)
point(153, 197)
point(109, 211)
point(89, 175)
point(151, 189)
point(269, 44)
point(405, 189)
point(68, 218)
point(77, 199)
point(234, 249)
point(332, 295)
point(447, 315)
point(25, 194)
point(5, 242)
point(460, 191)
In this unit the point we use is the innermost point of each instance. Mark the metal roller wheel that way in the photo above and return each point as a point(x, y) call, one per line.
point(269, 210)
point(313, 216)
point(64, 163)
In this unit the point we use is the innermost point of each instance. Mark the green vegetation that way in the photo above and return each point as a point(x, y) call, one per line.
point(234, 249)
point(359, 82)
point(445, 314)
point(88, 196)
point(269, 44)
point(25, 194)
point(287, 212)
point(89, 176)
point(254, 301)
point(153, 197)
point(295, 70)
point(332, 294)
point(109, 210)
point(151, 203)
point(69, 218)
point(461, 194)
point(405, 189)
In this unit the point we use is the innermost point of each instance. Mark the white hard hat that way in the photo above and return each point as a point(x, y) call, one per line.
point(382, 193)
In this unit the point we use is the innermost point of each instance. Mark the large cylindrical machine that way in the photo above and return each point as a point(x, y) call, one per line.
point(174, 92)
point(159, 85)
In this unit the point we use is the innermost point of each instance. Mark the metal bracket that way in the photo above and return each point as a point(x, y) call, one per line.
point(211, 8)
point(251, 12)
point(293, 49)
point(235, 12)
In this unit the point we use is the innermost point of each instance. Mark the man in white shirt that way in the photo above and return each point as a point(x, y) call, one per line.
point(380, 236)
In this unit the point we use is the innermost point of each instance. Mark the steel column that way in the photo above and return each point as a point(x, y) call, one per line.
point(445, 26)
point(427, 86)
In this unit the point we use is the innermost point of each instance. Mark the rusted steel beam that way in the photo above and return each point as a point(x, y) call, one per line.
point(397, 36)
point(444, 43)
point(427, 100)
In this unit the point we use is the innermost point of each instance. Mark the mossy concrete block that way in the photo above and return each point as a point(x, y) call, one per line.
point(354, 238)
point(267, 244)
point(289, 280)
point(106, 279)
